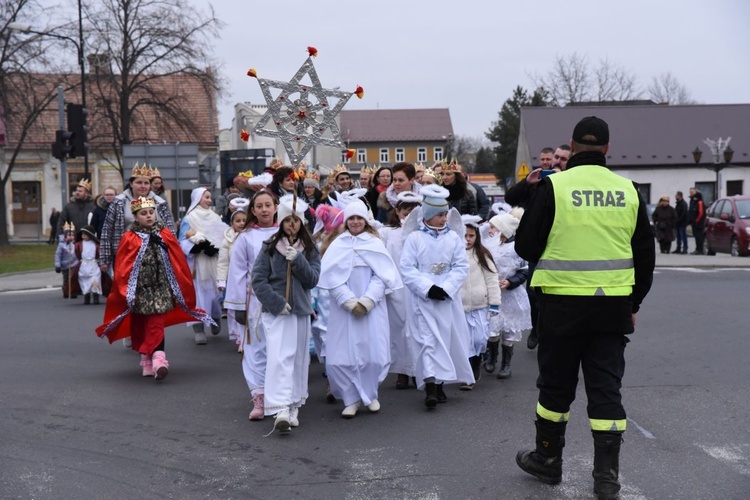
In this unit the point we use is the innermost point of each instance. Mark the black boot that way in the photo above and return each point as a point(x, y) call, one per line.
point(476, 364)
point(545, 463)
point(505, 366)
point(96, 298)
point(441, 397)
point(533, 339)
point(430, 399)
point(87, 299)
point(607, 464)
point(491, 362)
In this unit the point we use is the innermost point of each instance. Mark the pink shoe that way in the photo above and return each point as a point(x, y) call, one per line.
point(258, 409)
point(148, 367)
point(161, 365)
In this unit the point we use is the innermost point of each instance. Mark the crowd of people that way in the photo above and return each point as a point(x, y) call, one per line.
point(408, 271)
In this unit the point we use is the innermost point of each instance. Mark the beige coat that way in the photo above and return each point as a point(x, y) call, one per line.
point(481, 288)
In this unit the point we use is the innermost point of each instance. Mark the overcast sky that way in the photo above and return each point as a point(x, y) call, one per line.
point(468, 56)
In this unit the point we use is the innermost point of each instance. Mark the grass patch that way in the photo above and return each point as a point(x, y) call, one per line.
point(20, 258)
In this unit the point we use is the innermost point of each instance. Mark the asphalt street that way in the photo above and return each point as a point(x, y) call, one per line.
point(78, 421)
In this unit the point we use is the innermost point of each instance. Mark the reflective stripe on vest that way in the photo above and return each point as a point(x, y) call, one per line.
point(588, 250)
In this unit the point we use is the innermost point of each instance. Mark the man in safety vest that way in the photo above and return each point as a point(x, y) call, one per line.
point(589, 231)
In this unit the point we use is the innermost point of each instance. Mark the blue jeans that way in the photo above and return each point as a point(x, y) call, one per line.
point(681, 236)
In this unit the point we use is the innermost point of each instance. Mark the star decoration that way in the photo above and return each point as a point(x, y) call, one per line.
point(301, 113)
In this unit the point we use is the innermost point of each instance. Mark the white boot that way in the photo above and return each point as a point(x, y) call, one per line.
point(282, 423)
point(350, 410)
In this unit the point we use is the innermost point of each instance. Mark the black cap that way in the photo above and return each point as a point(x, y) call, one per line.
point(593, 126)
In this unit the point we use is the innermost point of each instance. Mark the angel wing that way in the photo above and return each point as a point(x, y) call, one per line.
point(411, 223)
point(456, 223)
point(501, 206)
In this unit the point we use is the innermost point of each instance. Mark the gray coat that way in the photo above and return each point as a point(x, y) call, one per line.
point(269, 281)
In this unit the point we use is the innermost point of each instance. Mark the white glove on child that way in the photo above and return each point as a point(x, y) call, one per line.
point(350, 304)
point(287, 309)
point(291, 253)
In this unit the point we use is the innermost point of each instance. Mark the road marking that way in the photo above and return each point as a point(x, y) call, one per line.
point(645, 433)
point(731, 455)
point(702, 270)
point(35, 290)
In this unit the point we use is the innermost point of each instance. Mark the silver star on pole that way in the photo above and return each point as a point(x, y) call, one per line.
point(301, 114)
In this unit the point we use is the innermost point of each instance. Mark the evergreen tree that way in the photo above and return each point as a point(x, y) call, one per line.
point(505, 130)
point(485, 160)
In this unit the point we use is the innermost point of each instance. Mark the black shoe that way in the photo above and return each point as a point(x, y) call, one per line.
point(533, 340)
point(505, 366)
point(547, 470)
point(87, 299)
point(491, 363)
point(441, 397)
point(607, 464)
point(96, 299)
point(430, 399)
point(402, 381)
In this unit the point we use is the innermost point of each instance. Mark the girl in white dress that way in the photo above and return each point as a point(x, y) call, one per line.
point(89, 274)
point(359, 272)
point(434, 267)
point(513, 271)
point(241, 300)
point(201, 233)
point(237, 221)
point(403, 349)
point(480, 294)
point(285, 270)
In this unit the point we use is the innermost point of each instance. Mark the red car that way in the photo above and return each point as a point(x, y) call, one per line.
point(728, 226)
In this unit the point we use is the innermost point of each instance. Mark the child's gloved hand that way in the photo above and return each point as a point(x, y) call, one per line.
point(58, 270)
point(287, 309)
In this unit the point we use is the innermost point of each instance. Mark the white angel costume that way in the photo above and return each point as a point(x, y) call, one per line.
point(359, 269)
point(208, 226)
point(437, 257)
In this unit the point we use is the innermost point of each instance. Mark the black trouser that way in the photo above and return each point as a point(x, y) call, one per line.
point(603, 362)
point(532, 298)
point(699, 234)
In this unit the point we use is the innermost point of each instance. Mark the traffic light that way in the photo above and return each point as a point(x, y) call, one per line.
point(77, 126)
point(62, 146)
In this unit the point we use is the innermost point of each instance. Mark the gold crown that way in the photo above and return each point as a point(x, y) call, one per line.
point(141, 171)
point(86, 184)
point(451, 167)
point(340, 169)
point(154, 172)
point(367, 170)
point(69, 227)
point(433, 174)
point(247, 174)
point(141, 203)
point(276, 163)
point(419, 167)
point(314, 175)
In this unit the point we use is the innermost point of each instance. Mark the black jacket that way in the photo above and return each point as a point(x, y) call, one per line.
point(682, 213)
point(532, 234)
point(520, 194)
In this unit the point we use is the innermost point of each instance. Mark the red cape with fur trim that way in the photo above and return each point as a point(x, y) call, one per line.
point(117, 303)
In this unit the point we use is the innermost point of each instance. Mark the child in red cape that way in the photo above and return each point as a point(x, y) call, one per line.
point(152, 276)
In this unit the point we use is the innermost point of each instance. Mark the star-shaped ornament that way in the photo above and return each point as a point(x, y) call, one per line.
point(301, 114)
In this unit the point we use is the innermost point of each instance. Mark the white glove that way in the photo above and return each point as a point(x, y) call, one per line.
point(287, 309)
point(197, 238)
point(367, 303)
point(350, 304)
point(291, 253)
point(359, 310)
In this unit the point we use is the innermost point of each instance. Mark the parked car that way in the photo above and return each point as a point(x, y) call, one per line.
point(728, 226)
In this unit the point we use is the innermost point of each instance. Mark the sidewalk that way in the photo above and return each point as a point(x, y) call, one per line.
point(50, 279)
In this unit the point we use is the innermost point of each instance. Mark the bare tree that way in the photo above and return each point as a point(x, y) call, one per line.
point(464, 149)
point(140, 47)
point(665, 88)
point(572, 80)
point(25, 93)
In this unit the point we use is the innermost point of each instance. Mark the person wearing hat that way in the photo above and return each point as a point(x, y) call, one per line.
point(87, 273)
point(79, 208)
point(515, 317)
point(152, 289)
point(201, 235)
point(589, 231)
point(359, 272)
point(665, 220)
point(284, 272)
point(403, 348)
point(237, 221)
point(311, 189)
point(434, 266)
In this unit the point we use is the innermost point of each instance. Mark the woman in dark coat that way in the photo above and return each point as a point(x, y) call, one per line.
point(461, 197)
point(665, 220)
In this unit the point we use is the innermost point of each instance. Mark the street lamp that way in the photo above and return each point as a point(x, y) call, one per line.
point(25, 28)
point(718, 148)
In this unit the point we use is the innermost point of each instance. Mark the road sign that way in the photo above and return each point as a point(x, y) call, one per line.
point(522, 172)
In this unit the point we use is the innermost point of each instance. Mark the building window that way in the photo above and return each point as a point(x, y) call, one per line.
point(384, 155)
point(438, 154)
point(399, 154)
point(344, 159)
point(734, 187)
point(708, 190)
point(421, 155)
point(361, 156)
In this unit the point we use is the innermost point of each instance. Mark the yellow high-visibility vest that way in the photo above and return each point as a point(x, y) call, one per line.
point(588, 251)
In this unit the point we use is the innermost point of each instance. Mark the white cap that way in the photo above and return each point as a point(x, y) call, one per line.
point(356, 207)
point(506, 224)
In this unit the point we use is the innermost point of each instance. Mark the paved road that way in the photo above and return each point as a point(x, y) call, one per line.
point(77, 420)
